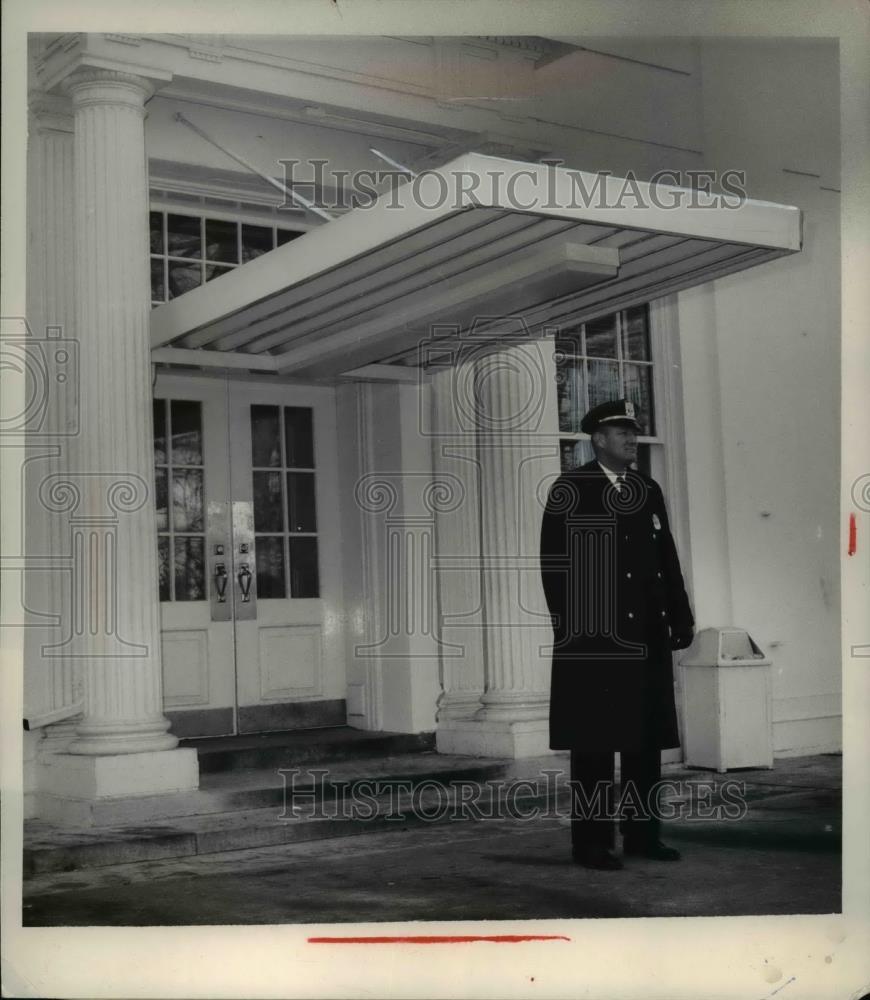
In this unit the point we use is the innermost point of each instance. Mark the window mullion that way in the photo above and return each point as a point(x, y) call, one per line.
point(285, 500)
point(620, 358)
point(170, 496)
point(166, 260)
point(202, 250)
point(584, 368)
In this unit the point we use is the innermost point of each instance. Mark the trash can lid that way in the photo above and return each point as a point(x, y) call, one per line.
point(724, 646)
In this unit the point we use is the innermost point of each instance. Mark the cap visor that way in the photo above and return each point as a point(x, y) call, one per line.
point(627, 421)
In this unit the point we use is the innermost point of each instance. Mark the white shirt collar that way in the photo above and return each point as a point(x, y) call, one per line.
point(611, 475)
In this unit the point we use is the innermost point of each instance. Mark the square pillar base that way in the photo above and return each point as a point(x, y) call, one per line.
point(526, 738)
point(71, 786)
point(30, 760)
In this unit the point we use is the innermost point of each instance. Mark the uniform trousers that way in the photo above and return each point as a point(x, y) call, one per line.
point(592, 817)
point(640, 770)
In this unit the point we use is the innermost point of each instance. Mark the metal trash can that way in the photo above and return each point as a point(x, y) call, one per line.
point(726, 696)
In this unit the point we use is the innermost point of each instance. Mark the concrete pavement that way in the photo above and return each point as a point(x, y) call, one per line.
point(781, 857)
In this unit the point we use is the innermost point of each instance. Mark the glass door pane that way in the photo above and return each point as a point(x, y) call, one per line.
point(284, 501)
point(179, 473)
point(194, 555)
point(290, 654)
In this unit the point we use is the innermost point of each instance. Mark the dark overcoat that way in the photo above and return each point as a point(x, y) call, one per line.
point(615, 592)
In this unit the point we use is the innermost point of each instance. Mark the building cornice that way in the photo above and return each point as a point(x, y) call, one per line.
point(433, 109)
point(49, 112)
point(69, 54)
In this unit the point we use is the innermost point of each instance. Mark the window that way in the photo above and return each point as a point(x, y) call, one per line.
point(285, 515)
point(189, 250)
point(180, 502)
point(606, 358)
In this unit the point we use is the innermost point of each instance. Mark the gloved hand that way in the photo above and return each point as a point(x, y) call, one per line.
point(682, 640)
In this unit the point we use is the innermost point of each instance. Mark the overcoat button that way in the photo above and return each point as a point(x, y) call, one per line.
point(659, 575)
point(663, 614)
point(630, 615)
point(628, 575)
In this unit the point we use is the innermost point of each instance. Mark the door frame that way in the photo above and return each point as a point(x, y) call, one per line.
point(217, 710)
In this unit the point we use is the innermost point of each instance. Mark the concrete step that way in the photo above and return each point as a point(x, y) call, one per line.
point(255, 788)
point(238, 810)
point(302, 746)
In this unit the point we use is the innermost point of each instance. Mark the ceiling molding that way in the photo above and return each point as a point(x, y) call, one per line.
point(192, 178)
point(384, 373)
point(306, 113)
point(214, 359)
point(531, 44)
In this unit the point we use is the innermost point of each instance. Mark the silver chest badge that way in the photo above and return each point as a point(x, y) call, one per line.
point(657, 524)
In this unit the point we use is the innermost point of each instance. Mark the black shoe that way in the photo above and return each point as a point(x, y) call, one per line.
point(593, 856)
point(653, 849)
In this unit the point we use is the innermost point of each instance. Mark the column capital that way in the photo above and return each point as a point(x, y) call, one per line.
point(49, 112)
point(89, 87)
point(515, 391)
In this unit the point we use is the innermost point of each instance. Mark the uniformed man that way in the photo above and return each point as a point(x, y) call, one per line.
point(615, 592)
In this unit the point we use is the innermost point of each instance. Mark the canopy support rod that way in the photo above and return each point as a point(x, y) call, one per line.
point(393, 163)
point(283, 188)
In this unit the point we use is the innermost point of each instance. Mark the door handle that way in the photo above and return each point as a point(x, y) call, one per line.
point(245, 577)
point(244, 566)
point(220, 581)
point(217, 519)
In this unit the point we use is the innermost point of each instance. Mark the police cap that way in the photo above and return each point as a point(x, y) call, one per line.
point(620, 411)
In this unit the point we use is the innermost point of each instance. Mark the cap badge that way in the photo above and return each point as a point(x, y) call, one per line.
point(629, 409)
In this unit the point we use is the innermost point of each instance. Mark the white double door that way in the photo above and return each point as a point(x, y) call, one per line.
point(248, 555)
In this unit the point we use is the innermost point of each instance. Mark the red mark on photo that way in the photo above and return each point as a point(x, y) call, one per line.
point(853, 535)
point(440, 939)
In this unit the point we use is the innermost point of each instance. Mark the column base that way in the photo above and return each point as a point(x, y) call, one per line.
point(30, 761)
point(491, 738)
point(458, 705)
point(71, 786)
point(113, 738)
point(514, 706)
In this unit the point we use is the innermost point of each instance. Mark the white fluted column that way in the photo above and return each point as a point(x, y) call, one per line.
point(52, 679)
point(122, 746)
point(112, 521)
point(457, 553)
point(518, 457)
point(517, 453)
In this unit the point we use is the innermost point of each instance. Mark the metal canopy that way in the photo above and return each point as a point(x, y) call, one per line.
point(483, 242)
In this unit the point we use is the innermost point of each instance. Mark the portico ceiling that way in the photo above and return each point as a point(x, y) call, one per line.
point(483, 244)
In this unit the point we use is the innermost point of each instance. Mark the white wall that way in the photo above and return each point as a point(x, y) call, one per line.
point(761, 385)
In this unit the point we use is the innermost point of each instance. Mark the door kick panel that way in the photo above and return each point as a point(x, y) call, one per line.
point(244, 582)
point(219, 562)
